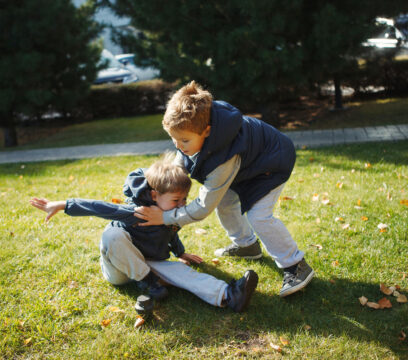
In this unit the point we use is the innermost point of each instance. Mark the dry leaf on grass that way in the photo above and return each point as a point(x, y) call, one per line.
point(284, 341)
point(404, 202)
point(115, 309)
point(384, 303)
point(116, 201)
point(139, 321)
point(373, 305)
point(363, 300)
point(345, 226)
point(307, 327)
point(335, 263)
point(200, 231)
point(215, 261)
point(402, 299)
point(339, 185)
point(367, 165)
point(385, 289)
point(359, 202)
point(287, 198)
point(364, 218)
point(317, 246)
point(402, 336)
point(106, 322)
point(315, 197)
point(339, 219)
point(275, 347)
point(27, 341)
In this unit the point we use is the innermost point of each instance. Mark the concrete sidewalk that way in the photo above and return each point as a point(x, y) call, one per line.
point(308, 138)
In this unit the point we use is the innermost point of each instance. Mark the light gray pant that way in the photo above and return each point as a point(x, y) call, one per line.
point(122, 262)
point(259, 219)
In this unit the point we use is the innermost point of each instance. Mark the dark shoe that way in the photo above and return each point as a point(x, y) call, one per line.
point(253, 251)
point(156, 290)
point(295, 278)
point(239, 292)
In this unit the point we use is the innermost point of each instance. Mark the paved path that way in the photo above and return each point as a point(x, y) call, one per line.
point(308, 138)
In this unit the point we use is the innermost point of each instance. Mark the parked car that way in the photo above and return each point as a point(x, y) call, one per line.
point(389, 36)
point(115, 72)
point(143, 73)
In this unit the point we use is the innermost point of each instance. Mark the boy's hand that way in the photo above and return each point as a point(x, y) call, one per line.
point(50, 207)
point(190, 258)
point(152, 214)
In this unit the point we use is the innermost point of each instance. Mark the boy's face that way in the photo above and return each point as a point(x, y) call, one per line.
point(189, 142)
point(169, 200)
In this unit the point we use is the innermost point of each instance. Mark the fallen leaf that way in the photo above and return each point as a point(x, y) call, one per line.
point(367, 165)
point(363, 300)
point(339, 219)
point(364, 218)
point(359, 202)
point(200, 231)
point(395, 293)
point(315, 197)
point(402, 299)
point(389, 197)
point(318, 246)
point(311, 159)
point(385, 290)
point(372, 305)
point(382, 226)
point(115, 309)
point(139, 321)
point(335, 263)
point(276, 347)
point(301, 180)
point(339, 185)
point(116, 201)
point(106, 322)
point(345, 226)
point(27, 341)
point(284, 341)
point(402, 336)
point(383, 230)
point(384, 303)
point(73, 285)
point(393, 288)
point(404, 202)
point(307, 327)
point(215, 261)
point(287, 198)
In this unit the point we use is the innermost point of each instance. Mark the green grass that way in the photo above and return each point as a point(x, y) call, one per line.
point(145, 128)
point(53, 293)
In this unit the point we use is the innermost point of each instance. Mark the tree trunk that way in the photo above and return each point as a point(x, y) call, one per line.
point(338, 97)
point(270, 114)
point(9, 130)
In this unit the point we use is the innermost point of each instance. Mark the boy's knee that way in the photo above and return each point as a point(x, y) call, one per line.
point(111, 237)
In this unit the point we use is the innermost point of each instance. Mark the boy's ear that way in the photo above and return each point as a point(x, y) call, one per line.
point(207, 131)
point(153, 193)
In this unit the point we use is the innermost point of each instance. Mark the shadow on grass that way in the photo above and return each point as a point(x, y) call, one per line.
point(373, 153)
point(330, 308)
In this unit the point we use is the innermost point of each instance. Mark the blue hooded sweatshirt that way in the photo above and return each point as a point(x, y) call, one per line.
point(267, 155)
point(154, 242)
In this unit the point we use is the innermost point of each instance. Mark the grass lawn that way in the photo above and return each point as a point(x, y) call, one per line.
point(54, 299)
point(145, 128)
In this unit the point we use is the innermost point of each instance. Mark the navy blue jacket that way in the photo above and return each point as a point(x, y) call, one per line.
point(154, 242)
point(267, 155)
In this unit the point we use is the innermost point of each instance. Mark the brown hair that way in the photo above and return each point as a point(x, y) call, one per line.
point(165, 176)
point(188, 109)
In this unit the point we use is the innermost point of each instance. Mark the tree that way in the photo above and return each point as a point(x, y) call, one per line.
point(47, 58)
point(251, 52)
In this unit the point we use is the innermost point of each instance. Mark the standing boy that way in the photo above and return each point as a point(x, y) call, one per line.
point(243, 164)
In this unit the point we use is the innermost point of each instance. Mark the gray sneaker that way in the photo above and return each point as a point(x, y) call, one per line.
point(253, 251)
point(296, 277)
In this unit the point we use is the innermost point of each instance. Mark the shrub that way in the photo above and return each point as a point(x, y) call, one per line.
point(114, 100)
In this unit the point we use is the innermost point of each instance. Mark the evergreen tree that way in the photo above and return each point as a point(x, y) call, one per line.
point(47, 58)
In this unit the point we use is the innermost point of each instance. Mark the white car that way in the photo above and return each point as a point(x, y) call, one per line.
point(145, 73)
point(389, 38)
point(115, 71)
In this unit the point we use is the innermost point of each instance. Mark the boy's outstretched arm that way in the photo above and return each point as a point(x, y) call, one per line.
point(50, 207)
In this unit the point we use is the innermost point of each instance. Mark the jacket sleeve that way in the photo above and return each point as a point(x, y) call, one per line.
point(176, 246)
point(210, 194)
point(102, 209)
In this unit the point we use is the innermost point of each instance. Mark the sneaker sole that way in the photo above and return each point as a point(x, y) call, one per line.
point(251, 285)
point(299, 286)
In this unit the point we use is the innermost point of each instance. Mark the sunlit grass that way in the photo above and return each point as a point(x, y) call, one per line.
point(53, 296)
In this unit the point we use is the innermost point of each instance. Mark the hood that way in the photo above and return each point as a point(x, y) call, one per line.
point(136, 188)
point(223, 132)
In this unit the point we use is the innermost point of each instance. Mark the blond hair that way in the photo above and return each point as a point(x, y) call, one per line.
point(188, 109)
point(165, 176)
